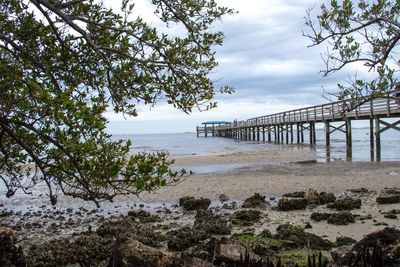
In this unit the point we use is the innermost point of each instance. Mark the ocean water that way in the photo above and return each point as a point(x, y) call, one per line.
point(181, 144)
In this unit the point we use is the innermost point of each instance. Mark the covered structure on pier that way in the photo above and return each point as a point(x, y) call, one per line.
point(209, 127)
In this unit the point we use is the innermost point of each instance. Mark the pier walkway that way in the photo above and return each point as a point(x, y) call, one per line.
point(281, 127)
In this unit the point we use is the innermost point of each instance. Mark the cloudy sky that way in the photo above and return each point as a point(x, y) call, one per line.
point(264, 57)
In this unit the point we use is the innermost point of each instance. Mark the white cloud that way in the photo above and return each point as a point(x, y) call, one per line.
point(264, 56)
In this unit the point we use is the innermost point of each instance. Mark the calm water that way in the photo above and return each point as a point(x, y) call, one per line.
point(189, 144)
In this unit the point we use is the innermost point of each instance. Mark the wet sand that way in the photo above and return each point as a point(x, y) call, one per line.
point(273, 173)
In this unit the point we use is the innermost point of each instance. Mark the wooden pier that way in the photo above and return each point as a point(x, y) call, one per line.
point(294, 126)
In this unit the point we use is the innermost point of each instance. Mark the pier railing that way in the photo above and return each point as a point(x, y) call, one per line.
point(381, 106)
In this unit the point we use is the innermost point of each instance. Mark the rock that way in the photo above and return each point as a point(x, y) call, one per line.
point(344, 241)
point(230, 206)
point(126, 227)
point(185, 238)
point(233, 254)
point(308, 226)
point(320, 216)
point(388, 198)
point(390, 216)
point(300, 237)
point(85, 249)
point(206, 224)
point(339, 254)
point(10, 252)
point(299, 194)
point(223, 198)
point(361, 190)
point(210, 223)
point(134, 253)
point(341, 218)
point(196, 262)
point(191, 203)
point(385, 238)
point(325, 198)
point(246, 217)
point(143, 216)
point(265, 233)
point(346, 203)
point(286, 204)
point(256, 201)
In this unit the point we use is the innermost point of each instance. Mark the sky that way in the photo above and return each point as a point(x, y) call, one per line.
point(264, 57)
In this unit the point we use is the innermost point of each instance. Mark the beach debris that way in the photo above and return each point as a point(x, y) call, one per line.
point(286, 204)
point(312, 197)
point(347, 203)
point(134, 253)
point(10, 251)
point(246, 217)
point(256, 201)
point(191, 203)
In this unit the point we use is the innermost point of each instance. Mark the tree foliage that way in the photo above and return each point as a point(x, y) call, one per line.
point(63, 63)
point(366, 32)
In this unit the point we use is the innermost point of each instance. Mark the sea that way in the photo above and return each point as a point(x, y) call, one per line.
point(184, 144)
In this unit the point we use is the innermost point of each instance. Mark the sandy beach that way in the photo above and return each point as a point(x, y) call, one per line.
point(273, 173)
point(235, 175)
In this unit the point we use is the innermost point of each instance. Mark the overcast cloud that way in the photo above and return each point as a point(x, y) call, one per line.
point(264, 57)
